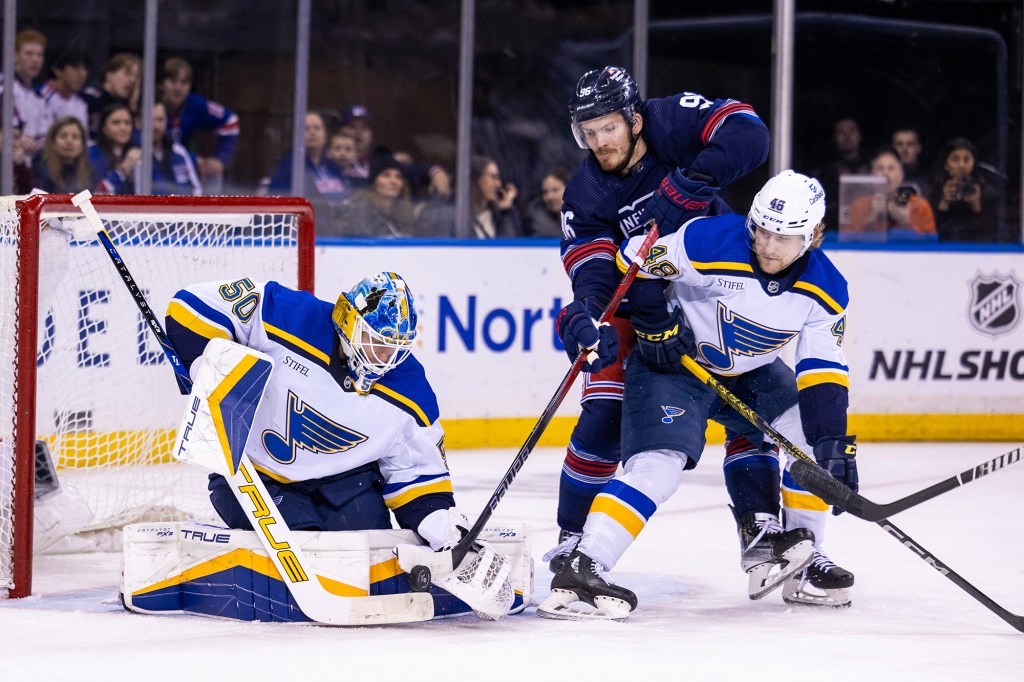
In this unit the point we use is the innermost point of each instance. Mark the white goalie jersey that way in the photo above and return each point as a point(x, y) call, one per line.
point(311, 422)
point(742, 320)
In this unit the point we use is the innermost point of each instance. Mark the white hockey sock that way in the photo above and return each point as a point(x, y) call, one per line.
point(624, 505)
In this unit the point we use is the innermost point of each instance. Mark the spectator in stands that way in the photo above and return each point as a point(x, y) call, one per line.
point(62, 93)
point(23, 175)
point(121, 75)
point(173, 170)
point(62, 165)
point(425, 180)
point(188, 113)
point(965, 201)
point(491, 202)
point(356, 121)
point(323, 184)
point(342, 151)
point(113, 153)
point(897, 207)
point(544, 216)
point(849, 159)
point(907, 143)
point(383, 209)
point(29, 52)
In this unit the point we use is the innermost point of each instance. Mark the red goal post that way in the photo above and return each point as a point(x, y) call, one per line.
point(77, 371)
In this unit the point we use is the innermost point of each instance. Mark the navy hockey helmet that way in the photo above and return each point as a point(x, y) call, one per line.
point(601, 92)
point(376, 322)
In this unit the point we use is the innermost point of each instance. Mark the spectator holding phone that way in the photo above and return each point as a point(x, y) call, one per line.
point(896, 206)
point(965, 201)
point(492, 203)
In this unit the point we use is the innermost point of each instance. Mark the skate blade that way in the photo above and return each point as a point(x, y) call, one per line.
point(763, 581)
point(806, 595)
point(566, 605)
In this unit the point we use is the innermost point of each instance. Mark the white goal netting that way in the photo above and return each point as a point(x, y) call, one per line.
point(106, 402)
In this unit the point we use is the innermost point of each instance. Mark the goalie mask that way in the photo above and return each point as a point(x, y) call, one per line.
point(789, 204)
point(601, 92)
point(376, 322)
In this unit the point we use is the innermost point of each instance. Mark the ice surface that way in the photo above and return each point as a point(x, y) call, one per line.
point(694, 621)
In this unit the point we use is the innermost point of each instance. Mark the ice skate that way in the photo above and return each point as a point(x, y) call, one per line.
point(769, 554)
point(821, 583)
point(581, 591)
point(557, 557)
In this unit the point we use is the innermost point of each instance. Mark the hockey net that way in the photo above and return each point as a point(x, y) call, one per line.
point(82, 376)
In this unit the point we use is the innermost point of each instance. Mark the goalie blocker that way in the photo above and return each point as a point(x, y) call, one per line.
point(225, 573)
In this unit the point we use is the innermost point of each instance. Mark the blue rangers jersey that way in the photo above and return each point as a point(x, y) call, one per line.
point(199, 113)
point(723, 139)
point(311, 423)
point(742, 318)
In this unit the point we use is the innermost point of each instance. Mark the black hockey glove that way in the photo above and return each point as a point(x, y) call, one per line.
point(662, 344)
point(577, 327)
point(679, 199)
point(838, 456)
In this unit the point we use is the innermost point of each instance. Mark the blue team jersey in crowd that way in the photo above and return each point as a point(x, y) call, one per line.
point(198, 113)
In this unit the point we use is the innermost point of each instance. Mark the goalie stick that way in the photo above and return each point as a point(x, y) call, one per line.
point(83, 200)
point(311, 591)
point(807, 473)
point(419, 576)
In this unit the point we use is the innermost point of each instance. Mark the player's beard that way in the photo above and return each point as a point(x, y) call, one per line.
point(623, 165)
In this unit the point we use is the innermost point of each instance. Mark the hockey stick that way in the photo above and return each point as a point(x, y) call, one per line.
point(953, 482)
point(816, 480)
point(419, 576)
point(83, 200)
point(313, 597)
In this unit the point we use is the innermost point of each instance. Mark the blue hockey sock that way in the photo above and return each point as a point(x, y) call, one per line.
point(752, 476)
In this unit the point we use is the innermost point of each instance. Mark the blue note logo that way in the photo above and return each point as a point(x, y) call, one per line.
point(671, 413)
point(739, 336)
point(309, 430)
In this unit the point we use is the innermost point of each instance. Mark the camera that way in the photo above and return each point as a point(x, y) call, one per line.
point(903, 194)
point(965, 189)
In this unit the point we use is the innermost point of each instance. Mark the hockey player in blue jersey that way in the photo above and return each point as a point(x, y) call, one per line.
point(348, 428)
point(661, 158)
point(739, 290)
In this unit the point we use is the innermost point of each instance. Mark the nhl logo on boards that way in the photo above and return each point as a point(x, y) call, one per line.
point(994, 308)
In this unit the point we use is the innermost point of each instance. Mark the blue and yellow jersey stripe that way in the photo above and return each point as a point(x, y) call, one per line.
point(400, 494)
point(300, 322)
point(814, 372)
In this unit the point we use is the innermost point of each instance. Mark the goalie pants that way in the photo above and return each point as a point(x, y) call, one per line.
point(352, 500)
point(665, 418)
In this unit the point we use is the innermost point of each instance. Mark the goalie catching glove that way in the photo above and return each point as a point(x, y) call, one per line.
point(679, 199)
point(481, 580)
point(579, 331)
point(663, 343)
point(838, 456)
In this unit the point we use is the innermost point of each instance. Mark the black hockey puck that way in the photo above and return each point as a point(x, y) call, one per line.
point(419, 578)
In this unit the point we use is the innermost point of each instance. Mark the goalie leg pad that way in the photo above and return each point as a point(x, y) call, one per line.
point(220, 572)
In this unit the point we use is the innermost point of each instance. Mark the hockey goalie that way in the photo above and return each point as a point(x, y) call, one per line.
point(317, 424)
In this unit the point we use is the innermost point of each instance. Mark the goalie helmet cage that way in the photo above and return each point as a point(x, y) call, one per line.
point(80, 370)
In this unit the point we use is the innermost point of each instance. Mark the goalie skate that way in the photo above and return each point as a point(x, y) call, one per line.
point(821, 583)
point(771, 555)
point(581, 591)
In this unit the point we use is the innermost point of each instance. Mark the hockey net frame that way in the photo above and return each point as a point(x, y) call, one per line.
point(20, 268)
